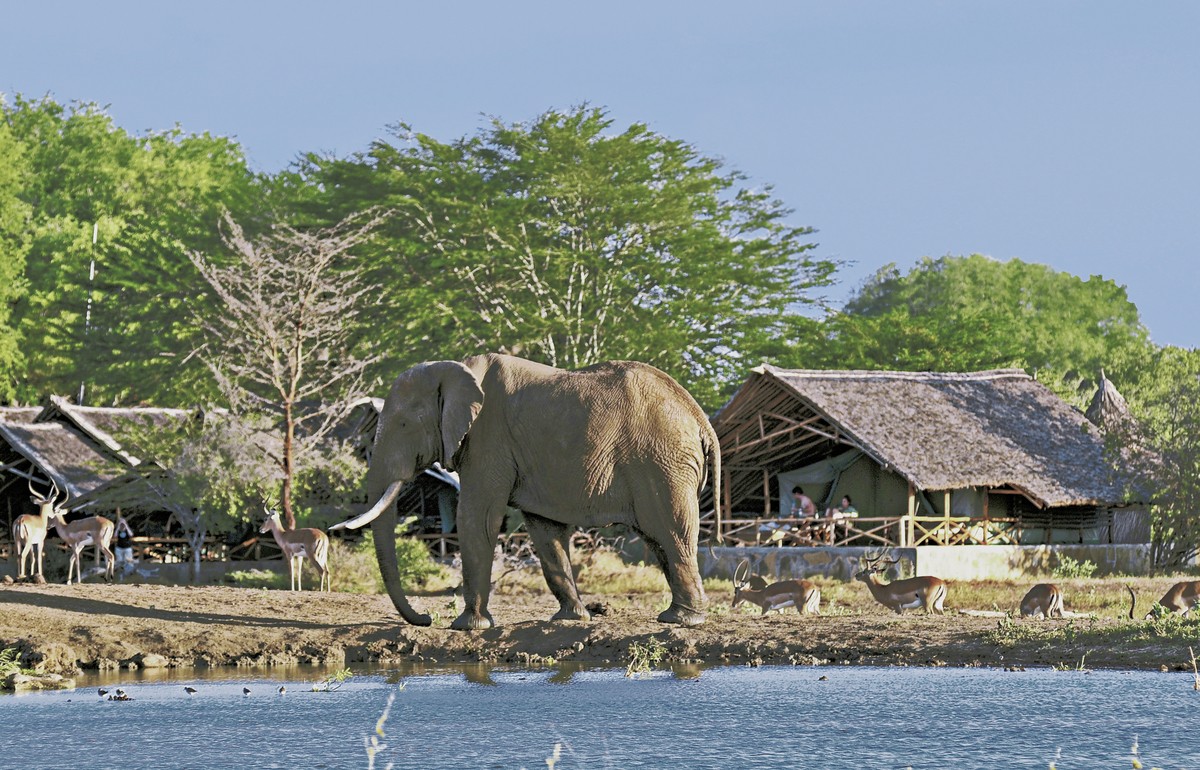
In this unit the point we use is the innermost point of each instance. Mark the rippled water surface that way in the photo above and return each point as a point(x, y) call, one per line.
point(719, 718)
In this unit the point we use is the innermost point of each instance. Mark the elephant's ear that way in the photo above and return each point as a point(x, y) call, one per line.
point(461, 399)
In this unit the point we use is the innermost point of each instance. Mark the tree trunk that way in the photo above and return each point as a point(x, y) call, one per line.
point(289, 466)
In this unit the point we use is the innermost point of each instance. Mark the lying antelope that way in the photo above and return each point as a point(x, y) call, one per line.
point(1180, 598)
point(94, 530)
point(1045, 599)
point(899, 595)
point(29, 532)
point(801, 594)
point(297, 544)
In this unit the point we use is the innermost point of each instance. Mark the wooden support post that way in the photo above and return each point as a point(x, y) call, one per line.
point(987, 522)
point(909, 538)
point(946, 538)
point(767, 495)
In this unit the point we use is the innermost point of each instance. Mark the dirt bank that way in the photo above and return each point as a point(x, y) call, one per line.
point(98, 626)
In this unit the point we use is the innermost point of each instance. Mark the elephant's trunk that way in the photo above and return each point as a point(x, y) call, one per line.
point(384, 528)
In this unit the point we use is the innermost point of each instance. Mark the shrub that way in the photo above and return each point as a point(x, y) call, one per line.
point(1069, 568)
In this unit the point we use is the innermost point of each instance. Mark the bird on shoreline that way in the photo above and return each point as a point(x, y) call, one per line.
point(282, 689)
point(189, 690)
point(245, 691)
point(102, 692)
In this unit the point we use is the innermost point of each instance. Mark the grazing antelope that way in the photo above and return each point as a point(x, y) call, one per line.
point(1180, 598)
point(1045, 599)
point(29, 531)
point(899, 595)
point(801, 594)
point(94, 530)
point(297, 544)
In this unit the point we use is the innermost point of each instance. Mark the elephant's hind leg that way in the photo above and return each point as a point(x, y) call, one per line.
point(553, 543)
point(673, 537)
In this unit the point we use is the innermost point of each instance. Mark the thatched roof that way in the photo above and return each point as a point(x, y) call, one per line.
point(1108, 409)
point(75, 462)
point(940, 431)
point(105, 425)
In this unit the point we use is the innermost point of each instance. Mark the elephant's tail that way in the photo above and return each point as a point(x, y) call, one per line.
point(713, 448)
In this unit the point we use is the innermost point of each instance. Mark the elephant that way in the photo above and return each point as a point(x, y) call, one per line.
point(619, 442)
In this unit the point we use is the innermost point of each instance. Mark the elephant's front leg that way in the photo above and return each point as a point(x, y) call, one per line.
point(478, 528)
point(553, 543)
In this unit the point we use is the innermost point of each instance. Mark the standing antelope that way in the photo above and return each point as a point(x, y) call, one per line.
point(1045, 599)
point(94, 530)
point(29, 531)
point(899, 595)
point(1181, 598)
point(297, 544)
point(801, 594)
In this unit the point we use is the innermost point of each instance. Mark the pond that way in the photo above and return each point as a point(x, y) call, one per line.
point(767, 717)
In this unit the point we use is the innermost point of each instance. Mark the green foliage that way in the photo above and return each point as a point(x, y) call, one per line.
point(1068, 568)
point(1160, 452)
point(569, 242)
point(971, 313)
point(258, 578)
point(10, 662)
point(644, 657)
point(148, 199)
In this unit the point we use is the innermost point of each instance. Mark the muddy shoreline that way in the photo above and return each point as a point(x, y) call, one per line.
point(61, 629)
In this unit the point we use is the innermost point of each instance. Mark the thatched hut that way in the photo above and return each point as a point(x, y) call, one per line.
point(989, 457)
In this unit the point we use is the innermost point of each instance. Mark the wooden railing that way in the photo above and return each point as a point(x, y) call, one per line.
point(875, 531)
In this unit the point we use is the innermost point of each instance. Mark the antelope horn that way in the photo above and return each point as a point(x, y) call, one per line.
point(739, 574)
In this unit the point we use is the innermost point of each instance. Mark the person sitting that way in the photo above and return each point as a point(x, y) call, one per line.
point(838, 516)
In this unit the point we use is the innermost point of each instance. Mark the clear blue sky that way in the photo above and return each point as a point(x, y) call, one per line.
point(1065, 133)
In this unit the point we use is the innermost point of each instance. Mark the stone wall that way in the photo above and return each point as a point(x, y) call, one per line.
point(970, 562)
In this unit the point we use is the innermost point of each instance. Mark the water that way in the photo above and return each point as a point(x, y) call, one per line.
point(720, 718)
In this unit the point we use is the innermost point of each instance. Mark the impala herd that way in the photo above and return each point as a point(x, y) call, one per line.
point(29, 539)
point(927, 592)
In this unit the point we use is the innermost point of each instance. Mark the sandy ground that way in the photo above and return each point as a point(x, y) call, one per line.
point(109, 626)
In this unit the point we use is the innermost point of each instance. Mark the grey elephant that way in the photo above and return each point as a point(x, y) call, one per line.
point(616, 443)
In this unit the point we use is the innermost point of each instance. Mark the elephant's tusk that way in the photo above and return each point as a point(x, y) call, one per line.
point(389, 497)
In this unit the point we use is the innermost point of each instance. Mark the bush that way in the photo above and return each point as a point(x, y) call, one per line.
point(356, 569)
point(1070, 569)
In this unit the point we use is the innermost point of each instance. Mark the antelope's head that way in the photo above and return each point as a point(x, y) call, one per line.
point(873, 565)
point(48, 503)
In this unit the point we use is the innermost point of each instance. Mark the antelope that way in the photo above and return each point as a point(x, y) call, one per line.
point(1045, 599)
point(1180, 598)
point(94, 530)
point(297, 544)
point(801, 594)
point(29, 531)
point(899, 595)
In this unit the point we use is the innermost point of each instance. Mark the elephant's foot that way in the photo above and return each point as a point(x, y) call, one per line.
point(572, 613)
point(681, 616)
point(472, 621)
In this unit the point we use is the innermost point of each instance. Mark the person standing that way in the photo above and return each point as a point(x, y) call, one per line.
point(124, 546)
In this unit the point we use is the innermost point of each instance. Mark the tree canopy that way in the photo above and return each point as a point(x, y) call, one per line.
point(567, 241)
point(971, 313)
point(81, 191)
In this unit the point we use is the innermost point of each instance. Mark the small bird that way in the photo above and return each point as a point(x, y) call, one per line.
point(189, 690)
point(102, 691)
point(245, 691)
point(120, 693)
point(282, 690)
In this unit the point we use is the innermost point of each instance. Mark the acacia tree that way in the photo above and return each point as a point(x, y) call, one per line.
point(281, 337)
point(569, 242)
point(209, 472)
